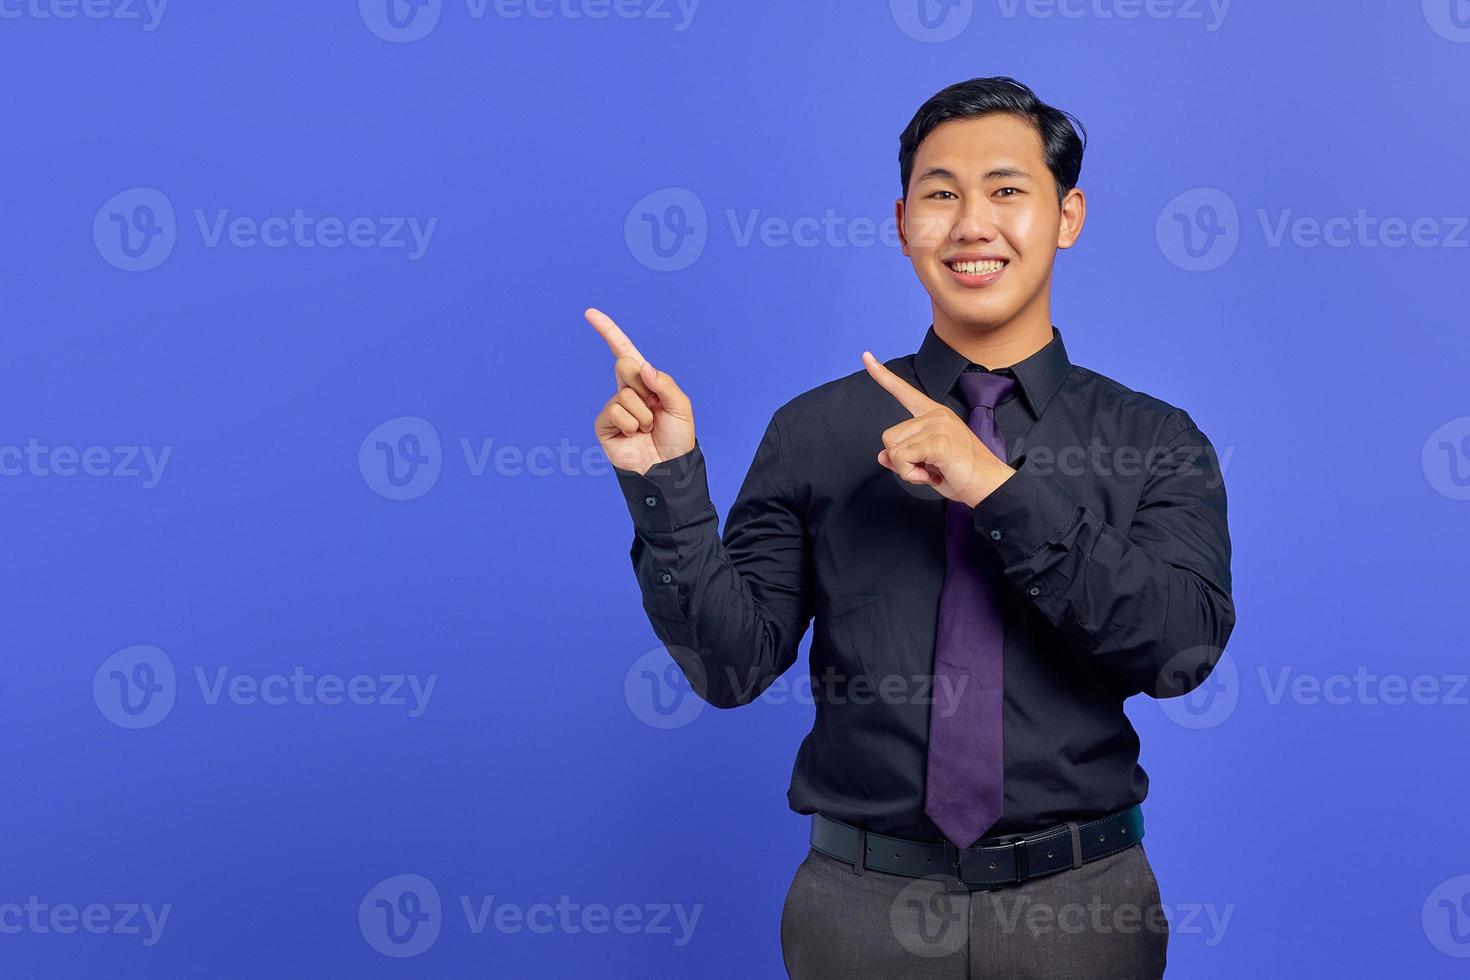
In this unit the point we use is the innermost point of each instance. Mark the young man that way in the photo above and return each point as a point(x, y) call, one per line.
point(998, 547)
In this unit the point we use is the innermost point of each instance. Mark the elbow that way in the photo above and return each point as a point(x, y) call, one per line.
point(728, 697)
point(1192, 656)
point(727, 686)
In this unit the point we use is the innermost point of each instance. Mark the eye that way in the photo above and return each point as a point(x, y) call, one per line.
point(937, 193)
point(1016, 189)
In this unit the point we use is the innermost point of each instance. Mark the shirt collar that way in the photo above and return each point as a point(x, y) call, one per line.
point(938, 366)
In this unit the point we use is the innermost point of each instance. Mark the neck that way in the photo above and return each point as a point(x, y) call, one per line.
point(996, 346)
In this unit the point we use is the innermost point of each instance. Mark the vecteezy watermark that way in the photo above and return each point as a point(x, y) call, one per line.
point(932, 21)
point(148, 13)
point(403, 915)
point(483, 457)
point(1195, 459)
point(1446, 916)
point(1365, 687)
point(1363, 230)
point(932, 922)
point(569, 918)
point(1199, 687)
point(1446, 458)
point(659, 692)
point(404, 21)
point(928, 920)
point(936, 21)
point(1192, 457)
point(662, 688)
point(1101, 917)
point(668, 230)
point(1193, 695)
point(1200, 230)
point(1450, 19)
point(302, 688)
point(37, 918)
point(137, 687)
point(41, 461)
point(136, 230)
point(1210, 14)
point(403, 458)
point(400, 21)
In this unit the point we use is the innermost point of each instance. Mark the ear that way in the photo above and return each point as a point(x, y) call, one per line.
point(1074, 213)
point(903, 237)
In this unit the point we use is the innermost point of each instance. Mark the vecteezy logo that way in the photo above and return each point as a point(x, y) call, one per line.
point(1199, 230)
point(927, 920)
point(1210, 701)
point(659, 693)
point(400, 21)
point(401, 915)
point(401, 458)
point(932, 20)
point(1446, 916)
point(135, 230)
point(667, 230)
point(1446, 459)
point(1449, 18)
point(135, 687)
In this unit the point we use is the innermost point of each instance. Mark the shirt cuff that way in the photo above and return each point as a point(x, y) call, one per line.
point(1024, 513)
point(670, 495)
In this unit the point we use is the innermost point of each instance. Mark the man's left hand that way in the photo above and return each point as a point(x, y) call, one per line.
point(936, 448)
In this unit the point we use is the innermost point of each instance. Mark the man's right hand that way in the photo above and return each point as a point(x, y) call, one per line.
point(649, 420)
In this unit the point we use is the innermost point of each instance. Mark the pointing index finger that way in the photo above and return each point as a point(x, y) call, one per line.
point(617, 341)
point(908, 396)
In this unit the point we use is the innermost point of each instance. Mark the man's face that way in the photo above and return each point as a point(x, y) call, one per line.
point(980, 192)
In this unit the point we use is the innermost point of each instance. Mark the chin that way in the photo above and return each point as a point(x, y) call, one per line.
point(979, 316)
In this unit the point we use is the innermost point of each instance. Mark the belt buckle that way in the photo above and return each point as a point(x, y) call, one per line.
point(954, 881)
point(1022, 858)
point(1012, 850)
point(954, 861)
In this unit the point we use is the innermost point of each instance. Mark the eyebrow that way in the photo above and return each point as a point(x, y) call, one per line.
point(997, 173)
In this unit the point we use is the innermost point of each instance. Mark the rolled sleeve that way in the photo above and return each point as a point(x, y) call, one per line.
point(1152, 599)
point(1025, 513)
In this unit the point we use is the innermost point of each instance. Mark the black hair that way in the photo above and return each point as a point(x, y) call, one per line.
point(1061, 144)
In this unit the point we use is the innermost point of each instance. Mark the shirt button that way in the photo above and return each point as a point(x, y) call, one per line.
point(995, 535)
point(650, 500)
point(1035, 590)
point(666, 578)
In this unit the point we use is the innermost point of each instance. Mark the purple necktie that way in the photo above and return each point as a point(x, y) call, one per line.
point(964, 788)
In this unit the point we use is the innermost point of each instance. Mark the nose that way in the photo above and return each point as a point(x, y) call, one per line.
point(975, 221)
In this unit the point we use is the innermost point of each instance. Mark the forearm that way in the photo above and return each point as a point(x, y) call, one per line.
point(726, 610)
point(1154, 603)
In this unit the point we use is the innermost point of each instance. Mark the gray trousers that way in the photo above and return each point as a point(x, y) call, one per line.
point(1104, 919)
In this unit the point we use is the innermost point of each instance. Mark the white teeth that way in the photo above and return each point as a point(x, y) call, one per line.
point(977, 268)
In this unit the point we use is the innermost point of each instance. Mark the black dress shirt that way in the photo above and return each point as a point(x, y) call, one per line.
point(1113, 536)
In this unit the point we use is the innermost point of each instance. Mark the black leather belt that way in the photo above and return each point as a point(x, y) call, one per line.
point(989, 863)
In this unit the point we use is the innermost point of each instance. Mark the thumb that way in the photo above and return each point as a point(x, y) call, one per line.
point(671, 397)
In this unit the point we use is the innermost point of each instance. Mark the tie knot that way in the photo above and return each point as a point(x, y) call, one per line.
point(981, 388)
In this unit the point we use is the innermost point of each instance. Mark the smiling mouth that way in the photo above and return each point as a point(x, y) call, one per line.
point(984, 268)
